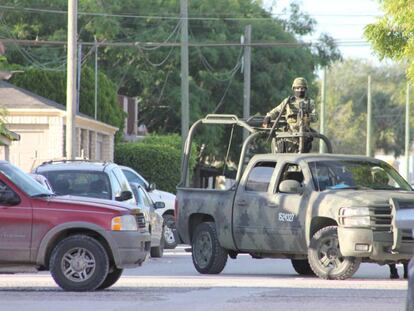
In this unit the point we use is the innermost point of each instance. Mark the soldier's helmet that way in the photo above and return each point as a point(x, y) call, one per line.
point(300, 82)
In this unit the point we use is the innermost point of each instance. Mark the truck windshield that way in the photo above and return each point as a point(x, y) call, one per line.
point(351, 174)
point(24, 181)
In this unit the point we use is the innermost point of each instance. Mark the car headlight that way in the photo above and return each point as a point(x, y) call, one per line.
point(124, 223)
point(355, 216)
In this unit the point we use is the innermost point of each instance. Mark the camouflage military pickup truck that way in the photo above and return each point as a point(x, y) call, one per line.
point(326, 213)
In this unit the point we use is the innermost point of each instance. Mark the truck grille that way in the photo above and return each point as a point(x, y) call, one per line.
point(381, 218)
point(140, 220)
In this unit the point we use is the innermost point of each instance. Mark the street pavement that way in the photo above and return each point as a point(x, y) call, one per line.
point(172, 283)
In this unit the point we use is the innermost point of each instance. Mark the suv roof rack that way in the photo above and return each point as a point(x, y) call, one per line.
point(74, 160)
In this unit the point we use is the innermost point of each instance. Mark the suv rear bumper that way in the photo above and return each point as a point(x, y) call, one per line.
point(130, 249)
point(379, 245)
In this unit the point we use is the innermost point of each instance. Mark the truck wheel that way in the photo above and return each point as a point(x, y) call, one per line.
point(325, 256)
point(302, 267)
point(158, 251)
point(111, 278)
point(208, 256)
point(79, 263)
point(170, 232)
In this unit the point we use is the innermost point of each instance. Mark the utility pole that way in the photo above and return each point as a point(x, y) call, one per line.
point(322, 114)
point(96, 81)
point(71, 80)
point(247, 74)
point(78, 79)
point(369, 119)
point(407, 133)
point(185, 110)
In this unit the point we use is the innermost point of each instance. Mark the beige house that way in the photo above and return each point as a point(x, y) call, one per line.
point(6, 139)
point(41, 124)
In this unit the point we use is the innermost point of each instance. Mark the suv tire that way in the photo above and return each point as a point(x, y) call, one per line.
point(302, 267)
point(112, 277)
point(79, 263)
point(208, 255)
point(325, 256)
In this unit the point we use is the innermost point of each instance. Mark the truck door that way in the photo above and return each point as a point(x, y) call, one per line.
point(15, 226)
point(289, 211)
point(252, 218)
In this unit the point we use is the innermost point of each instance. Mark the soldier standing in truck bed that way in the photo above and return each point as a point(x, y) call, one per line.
point(290, 108)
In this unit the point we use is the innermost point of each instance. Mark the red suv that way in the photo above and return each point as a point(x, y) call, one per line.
point(85, 243)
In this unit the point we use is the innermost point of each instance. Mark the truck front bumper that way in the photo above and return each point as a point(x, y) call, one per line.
point(377, 246)
point(129, 248)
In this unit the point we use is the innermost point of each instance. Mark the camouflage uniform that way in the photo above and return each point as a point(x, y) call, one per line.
point(292, 107)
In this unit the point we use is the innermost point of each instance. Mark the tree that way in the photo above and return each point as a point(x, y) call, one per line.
point(53, 86)
point(153, 74)
point(391, 36)
point(347, 106)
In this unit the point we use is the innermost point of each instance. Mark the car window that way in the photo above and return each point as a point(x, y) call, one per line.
point(133, 177)
point(81, 183)
point(122, 179)
point(23, 181)
point(116, 185)
point(5, 194)
point(259, 177)
point(354, 174)
point(145, 198)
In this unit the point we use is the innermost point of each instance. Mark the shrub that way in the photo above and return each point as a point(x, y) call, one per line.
point(156, 158)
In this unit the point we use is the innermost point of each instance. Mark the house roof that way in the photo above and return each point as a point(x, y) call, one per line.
point(14, 98)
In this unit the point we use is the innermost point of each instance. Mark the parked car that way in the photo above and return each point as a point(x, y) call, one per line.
point(87, 179)
point(170, 231)
point(405, 224)
point(84, 243)
point(42, 180)
point(156, 222)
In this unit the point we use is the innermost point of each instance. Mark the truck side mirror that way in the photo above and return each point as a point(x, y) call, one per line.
point(291, 186)
point(159, 205)
point(125, 195)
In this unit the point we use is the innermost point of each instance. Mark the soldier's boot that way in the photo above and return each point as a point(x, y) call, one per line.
point(393, 271)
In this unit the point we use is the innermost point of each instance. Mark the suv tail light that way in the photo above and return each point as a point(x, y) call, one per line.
point(140, 220)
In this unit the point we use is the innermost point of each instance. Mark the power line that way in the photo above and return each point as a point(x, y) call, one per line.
point(177, 17)
point(177, 44)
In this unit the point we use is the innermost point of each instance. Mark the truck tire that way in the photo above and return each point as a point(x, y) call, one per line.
point(170, 232)
point(208, 255)
point(79, 263)
point(325, 256)
point(112, 277)
point(302, 267)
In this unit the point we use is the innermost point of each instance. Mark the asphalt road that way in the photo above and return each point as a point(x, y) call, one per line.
point(171, 283)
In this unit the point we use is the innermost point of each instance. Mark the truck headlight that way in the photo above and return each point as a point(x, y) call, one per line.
point(355, 216)
point(124, 223)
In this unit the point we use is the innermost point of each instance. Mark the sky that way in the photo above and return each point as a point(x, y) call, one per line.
point(343, 20)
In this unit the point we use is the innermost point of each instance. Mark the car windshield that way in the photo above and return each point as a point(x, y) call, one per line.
point(24, 181)
point(81, 183)
point(351, 174)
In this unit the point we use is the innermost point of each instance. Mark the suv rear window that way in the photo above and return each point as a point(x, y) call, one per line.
point(82, 183)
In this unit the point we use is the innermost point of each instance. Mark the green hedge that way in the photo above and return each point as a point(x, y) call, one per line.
point(157, 158)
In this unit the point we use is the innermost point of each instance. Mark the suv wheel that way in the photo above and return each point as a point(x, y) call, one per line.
point(208, 255)
point(79, 263)
point(112, 277)
point(302, 266)
point(325, 258)
point(170, 232)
